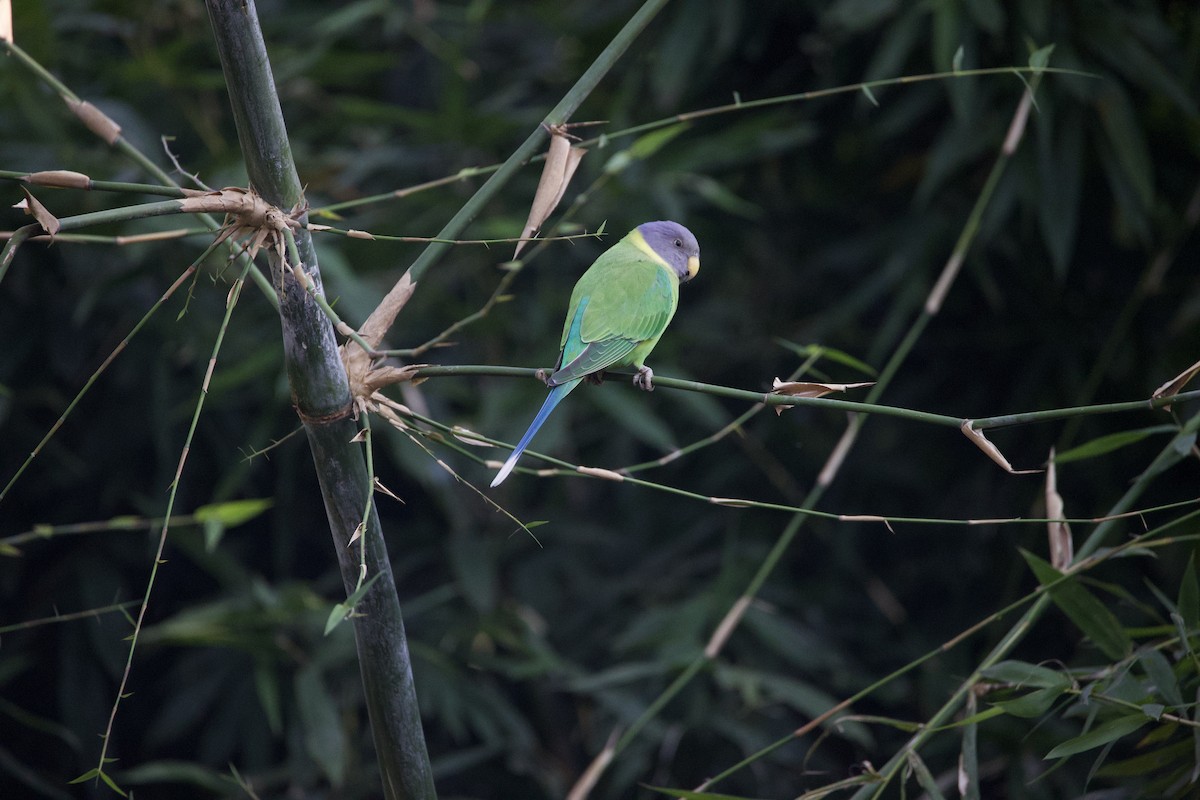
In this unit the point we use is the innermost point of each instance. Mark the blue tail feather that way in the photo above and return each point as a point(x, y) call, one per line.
point(555, 397)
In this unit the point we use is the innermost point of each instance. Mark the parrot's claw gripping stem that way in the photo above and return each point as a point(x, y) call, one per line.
point(543, 375)
point(644, 379)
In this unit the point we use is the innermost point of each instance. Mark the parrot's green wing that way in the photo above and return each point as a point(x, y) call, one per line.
point(619, 309)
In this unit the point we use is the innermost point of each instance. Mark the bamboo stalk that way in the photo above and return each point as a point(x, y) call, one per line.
point(322, 399)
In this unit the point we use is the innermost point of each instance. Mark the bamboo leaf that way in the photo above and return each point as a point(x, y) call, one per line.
point(1100, 735)
point(1146, 763)
point(833, 354)
point(323, 735)
point(1189, 596)
point(234, 512)
point(924, 777)
point(1083, 609)
point(1021, 673)
point(1034, 704)
point(1110, 442)
point(1159, 671)
point(684, 794)
point(1040, 59)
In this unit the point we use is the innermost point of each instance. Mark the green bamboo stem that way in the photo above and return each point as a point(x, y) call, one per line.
point(322, 398)
point(529, 148)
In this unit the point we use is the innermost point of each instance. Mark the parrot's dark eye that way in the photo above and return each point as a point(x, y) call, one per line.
point(679, 243)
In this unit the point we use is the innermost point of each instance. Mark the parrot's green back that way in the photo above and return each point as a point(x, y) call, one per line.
point(618, 311)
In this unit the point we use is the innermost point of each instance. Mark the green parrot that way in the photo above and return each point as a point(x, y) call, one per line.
point(619, 309)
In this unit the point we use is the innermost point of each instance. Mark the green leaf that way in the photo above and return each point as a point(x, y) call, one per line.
point(1021, 673)
point(1189, 595)
point(266, 685)
point(1113, 441)
point(974, 719)
point(1146, 763)
point(214, 531)
point(1159, 671)
point(1033, 704)
point(323, 735)
point(684, 794)
point(870, 95)
point(636, 416)
point(1124, 132)
point(1040, 59)
point(336, 614)
point(1100, 735)
point(723, 197)
point(1082, 608)
point(821, 351)
point(957, 62)
point(643, 147)
point(97, 772)
point(178, 772)
point(924, 777)
point(234, 512)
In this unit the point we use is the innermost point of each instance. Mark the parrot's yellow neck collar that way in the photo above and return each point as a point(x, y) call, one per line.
point(640, 243)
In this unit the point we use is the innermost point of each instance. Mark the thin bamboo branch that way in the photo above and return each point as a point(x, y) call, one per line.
point(738, 105)
point(863, 407)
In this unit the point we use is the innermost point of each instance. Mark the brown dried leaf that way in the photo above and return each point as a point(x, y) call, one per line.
point(809, 389)
point(867, 518)
point(469, 437)
point(587, 781)
point(59, 178)
point(96, 120)
point(1176, 384)
point(732, 502)
point(561, 162)
point(727, 626)
point(1062, 548)
point(6, 28)
point(991, 450)
point(33, 207)
point(597, 472)
point(357, 360)
point(379, 487)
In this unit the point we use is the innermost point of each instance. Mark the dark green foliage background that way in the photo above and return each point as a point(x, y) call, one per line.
point(820, 222)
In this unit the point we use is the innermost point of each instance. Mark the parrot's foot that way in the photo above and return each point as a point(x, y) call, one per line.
point(595, 378)
point(543, 375)
point(644, 379)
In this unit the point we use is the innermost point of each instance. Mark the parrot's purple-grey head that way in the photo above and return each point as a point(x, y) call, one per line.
point(674, 244)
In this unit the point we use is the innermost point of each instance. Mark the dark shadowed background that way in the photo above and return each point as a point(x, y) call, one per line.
point(822, 222)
